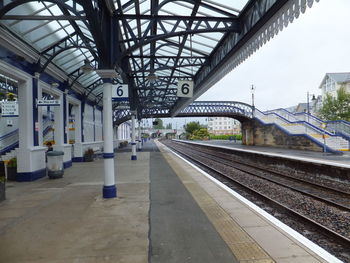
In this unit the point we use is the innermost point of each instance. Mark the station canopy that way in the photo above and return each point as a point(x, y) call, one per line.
point(151, 44)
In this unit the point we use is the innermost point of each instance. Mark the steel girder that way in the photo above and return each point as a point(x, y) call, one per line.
point(233, 109)
point(252, 19)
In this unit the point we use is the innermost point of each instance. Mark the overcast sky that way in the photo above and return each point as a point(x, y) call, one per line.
point(293, 62)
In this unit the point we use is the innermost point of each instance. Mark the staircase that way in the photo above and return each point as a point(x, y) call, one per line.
point(48, 131)
point(9, 135)
point(332, 137)
point(8, 143)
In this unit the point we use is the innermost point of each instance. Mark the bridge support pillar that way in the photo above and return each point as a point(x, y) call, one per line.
point(109, 188)
point(133, 142)
point(248, 133)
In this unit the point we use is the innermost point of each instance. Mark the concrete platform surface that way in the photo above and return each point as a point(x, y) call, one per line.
point(66, 220)
point(343, 159)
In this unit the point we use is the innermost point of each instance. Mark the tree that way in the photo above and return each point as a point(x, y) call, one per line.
point(192, 126)
point(169, 126)
point(158, 124)
point(336, 108)
point(201, 134)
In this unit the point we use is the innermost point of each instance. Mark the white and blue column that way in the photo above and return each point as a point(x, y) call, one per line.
point(78, 147)
point(139, 135)
point(133, 135)
point(109, 187)
point(35, 88)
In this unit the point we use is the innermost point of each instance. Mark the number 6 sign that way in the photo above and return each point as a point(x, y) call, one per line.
point(120, 92)
point(185, 88)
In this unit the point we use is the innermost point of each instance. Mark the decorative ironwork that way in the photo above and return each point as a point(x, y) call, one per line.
point(237, 110)
point(144, 37)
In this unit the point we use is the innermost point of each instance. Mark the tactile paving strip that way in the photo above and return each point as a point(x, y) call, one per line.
point(245, 249)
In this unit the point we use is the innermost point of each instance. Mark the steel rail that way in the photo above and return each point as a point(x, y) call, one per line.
point(288, 177)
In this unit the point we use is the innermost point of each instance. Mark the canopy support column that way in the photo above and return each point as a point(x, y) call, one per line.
point(109, 187)
point(133, 143)
point(139, 135)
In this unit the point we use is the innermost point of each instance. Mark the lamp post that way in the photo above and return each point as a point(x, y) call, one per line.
point(252, 89)
point(308, 104)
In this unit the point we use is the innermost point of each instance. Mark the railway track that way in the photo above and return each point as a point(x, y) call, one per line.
point(223, 165)
point(326, 194)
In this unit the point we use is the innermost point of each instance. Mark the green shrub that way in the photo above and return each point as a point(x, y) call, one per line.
point(225, 137)
point(12, 162)
point(201, 134)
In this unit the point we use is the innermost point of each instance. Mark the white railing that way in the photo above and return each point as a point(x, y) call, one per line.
point(8, 140)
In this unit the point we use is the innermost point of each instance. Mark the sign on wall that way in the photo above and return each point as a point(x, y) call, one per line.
point(48, 103)
point(120, 92)
point(9, 123)
point(185, 88)
point(9, 109)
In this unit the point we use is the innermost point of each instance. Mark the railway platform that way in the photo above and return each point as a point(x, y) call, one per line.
point(342, 160)
point(166, 211)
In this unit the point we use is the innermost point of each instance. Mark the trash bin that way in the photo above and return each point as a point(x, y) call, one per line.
point(55, 164)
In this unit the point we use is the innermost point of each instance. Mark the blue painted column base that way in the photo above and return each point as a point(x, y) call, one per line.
point(133, 157)
point(109, 191)
point(78, 159)
point(67, 164)
point(30, 176)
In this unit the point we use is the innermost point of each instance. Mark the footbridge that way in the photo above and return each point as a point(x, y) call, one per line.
point(233, 109)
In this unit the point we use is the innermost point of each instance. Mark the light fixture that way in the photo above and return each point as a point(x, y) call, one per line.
point(54, 85)
point(252, 89)
point(86, 68)
point(152, 77)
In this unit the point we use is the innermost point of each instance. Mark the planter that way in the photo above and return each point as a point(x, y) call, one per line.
point(88, 158)
point(2, 181)
point(11, 173)
point(2, 190)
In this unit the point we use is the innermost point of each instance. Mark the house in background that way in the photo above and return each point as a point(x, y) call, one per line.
point(334, 81)
point(330, 84)
point(223, 126)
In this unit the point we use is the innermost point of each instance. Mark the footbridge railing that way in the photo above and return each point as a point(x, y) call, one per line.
point(234, 109)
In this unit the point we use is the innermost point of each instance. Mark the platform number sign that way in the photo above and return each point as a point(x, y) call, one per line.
point(185, 88)
point(120, 92)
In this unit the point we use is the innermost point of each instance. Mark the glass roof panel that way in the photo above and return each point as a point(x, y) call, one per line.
point(176, 51)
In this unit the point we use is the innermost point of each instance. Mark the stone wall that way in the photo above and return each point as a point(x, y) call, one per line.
point(255, 133)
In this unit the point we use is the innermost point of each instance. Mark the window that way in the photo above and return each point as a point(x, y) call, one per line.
point(329, 85)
